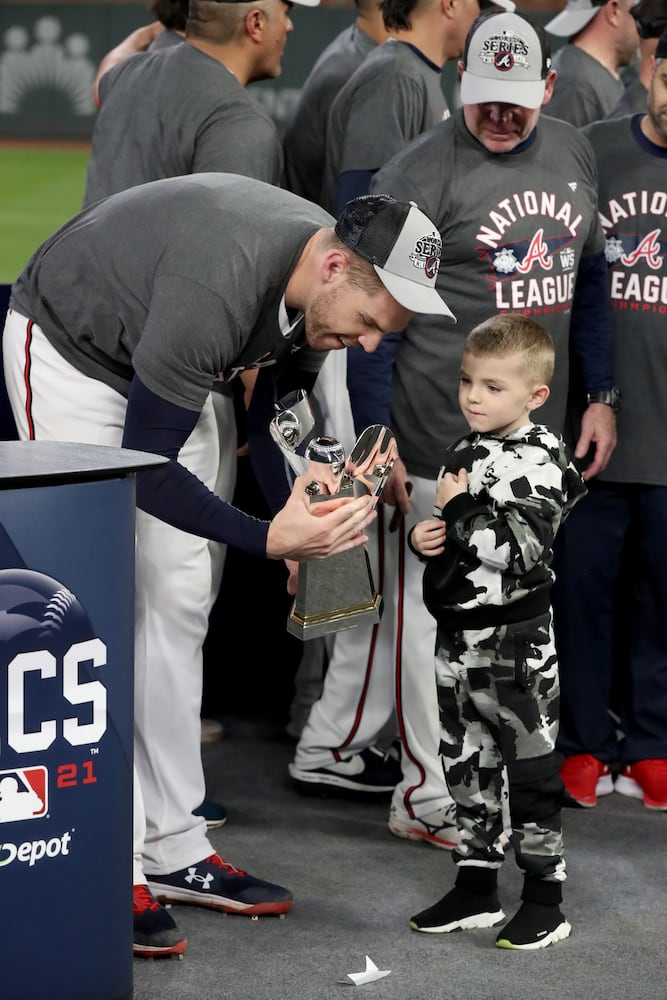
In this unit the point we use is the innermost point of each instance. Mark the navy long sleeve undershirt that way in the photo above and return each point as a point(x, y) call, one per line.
point(171, 492)
point(592, 324)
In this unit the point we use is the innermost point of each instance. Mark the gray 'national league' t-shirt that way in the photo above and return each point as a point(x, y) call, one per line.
point(514, 227)
point(395, 95)
point(633, 208)
point(180, 281)
point(172, 112)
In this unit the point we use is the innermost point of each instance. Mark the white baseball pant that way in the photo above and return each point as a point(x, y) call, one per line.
point(377, 670)
point(172, 595)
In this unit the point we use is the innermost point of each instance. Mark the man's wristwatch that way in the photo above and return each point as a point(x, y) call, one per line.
point(612, 397)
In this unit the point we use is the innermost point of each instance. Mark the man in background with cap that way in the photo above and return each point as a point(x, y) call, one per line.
point(628, 500)
point(394, 96)
point(651, 20)
point(184, 268)
point(304, 145)
point(532, 244)
point(602, 39)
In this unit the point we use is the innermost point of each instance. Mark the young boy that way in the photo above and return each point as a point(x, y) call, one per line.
point(502, 493)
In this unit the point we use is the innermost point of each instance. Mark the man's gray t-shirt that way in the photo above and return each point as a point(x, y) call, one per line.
point(171, 280)
point(585, 91)
point(165, 39)
point(305, 134)
point(633, 205)
point(633, 102)
point(395, 95)
point(173, 112)
point(514, 227)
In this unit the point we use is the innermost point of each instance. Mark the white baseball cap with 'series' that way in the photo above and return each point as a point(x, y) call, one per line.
point(506, 59)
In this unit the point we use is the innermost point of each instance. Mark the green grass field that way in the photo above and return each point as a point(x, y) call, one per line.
point(41, 187)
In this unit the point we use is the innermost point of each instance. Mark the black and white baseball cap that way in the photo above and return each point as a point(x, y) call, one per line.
point(403, 246)
point(507, 58)
point(575, 15)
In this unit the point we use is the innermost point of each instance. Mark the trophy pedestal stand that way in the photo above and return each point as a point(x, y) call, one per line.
point(334, 594)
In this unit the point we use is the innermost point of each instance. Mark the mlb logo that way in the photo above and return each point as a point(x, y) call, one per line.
point(23, 794)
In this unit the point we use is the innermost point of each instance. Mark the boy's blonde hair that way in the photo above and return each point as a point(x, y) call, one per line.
point(509, 334)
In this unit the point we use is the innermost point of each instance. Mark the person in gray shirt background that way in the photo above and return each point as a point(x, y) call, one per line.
point(602, 39)
point(304, 141)
point(186, 109)
point(651, 19)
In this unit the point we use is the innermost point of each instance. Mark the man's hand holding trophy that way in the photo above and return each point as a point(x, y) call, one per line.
point(337, 592)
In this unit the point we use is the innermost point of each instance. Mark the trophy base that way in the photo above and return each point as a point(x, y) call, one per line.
point(312, 626)
point(333, 594)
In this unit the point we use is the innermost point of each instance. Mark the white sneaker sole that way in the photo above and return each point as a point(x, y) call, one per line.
point(559, 934)
point(475, 921)
point(330, 779)
point(628, 786)
point(605, 786)
point(446, 839)
point(174, 894)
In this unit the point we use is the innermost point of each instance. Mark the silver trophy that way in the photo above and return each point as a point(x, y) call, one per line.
point(338, 592)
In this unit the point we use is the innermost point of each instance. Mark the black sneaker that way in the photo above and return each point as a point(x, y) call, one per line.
point(534, 926)
point(459, 911)
point(214, 813)
point(218, 885)
point(373, 773)
point(155, 932)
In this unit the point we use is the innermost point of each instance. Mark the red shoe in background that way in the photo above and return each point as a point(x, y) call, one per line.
point(585, 777)
point(647, 780)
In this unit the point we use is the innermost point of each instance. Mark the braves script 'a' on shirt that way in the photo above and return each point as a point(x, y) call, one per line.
point(496, 566)
point(514, 228)
point(173, 112)
point(304, 142)
point(395, 95)
point(585, 91)
point(633, 209)
point(179, 280)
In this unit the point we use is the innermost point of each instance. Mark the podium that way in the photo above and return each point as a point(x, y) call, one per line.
point(67, 522)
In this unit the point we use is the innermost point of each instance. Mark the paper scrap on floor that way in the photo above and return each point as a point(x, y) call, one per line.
point(370, 975)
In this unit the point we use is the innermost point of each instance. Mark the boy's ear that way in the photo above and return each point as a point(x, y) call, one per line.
point(539, 397)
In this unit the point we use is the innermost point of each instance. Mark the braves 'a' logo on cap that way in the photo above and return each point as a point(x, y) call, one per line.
point(432, 267)
point(426, 254)
point(503, 61)
point(505, 50)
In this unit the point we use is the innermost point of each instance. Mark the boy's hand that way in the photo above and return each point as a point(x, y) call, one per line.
point(428, 537)
point(450, 486)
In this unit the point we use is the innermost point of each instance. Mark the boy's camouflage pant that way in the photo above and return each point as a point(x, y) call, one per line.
point(498, 693)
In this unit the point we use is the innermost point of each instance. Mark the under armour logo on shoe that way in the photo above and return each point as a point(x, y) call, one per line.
point(193, 876)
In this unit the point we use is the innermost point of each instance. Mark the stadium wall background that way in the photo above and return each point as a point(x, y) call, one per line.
point(49, 53)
